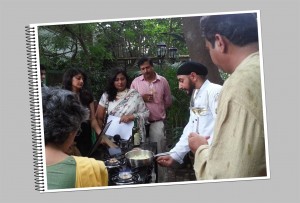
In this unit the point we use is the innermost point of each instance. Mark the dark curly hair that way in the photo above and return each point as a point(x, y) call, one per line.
point(85, 95)
point(110, 88)
point(239, 29)
point(62, 114)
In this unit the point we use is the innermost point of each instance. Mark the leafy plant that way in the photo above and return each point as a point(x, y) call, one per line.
point(178, 113)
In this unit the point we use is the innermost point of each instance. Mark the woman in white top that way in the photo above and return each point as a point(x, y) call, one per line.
point(121, 101)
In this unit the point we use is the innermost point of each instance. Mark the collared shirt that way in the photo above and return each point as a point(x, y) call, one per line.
point(205, 97)
point(238, 146)
point(162, 98)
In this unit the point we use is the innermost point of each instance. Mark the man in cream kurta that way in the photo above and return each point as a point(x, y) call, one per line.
point(238, 146)
point(238, 150)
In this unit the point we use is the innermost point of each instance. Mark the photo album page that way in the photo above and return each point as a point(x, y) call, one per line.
point(142, 102)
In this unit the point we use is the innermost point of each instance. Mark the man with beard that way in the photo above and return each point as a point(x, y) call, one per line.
point(204, 97)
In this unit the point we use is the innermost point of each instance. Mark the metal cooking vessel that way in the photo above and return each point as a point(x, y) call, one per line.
point(139, 158)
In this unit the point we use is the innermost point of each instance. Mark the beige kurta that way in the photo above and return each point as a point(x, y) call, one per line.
point(238, 146)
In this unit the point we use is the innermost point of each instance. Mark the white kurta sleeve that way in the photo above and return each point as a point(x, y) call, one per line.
point(182, 146)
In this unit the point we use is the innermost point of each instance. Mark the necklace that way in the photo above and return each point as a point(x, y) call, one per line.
point(121, 94)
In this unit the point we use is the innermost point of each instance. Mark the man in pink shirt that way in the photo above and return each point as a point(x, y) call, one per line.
point(156, 93)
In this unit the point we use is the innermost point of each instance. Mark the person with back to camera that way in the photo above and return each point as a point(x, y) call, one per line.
point(204, 95)
point(75, 80)
point(156, 93)
point(62, 116)
point(121, 101)
point(238, 146)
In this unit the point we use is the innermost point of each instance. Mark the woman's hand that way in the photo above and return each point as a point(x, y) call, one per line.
point(127, 118)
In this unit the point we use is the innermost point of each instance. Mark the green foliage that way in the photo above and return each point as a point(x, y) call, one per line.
point(178, 113)
point(90, 43)
point(224, 75)
point(98, 81)
point(96, 47)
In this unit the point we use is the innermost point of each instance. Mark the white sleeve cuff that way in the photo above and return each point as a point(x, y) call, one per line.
point(176, 157)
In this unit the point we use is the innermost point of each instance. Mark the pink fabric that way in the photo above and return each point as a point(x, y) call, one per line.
point(161, 94)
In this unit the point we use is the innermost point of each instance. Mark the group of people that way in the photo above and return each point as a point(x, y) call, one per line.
point(225, 130)
point(122, 98)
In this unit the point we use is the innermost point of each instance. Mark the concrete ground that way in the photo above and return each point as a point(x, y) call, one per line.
point(184, 172)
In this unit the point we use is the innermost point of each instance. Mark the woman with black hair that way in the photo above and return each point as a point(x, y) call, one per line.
point(75, 80)
point(121, 101)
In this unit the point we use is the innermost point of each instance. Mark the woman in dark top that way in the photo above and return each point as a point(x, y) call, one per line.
point(75, 80)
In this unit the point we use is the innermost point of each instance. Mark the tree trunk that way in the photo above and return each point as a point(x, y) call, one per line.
point(196, 47)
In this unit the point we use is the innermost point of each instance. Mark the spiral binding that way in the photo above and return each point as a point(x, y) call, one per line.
point(35, 114)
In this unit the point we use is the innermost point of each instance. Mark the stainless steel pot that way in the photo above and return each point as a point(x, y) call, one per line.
point(139, 158)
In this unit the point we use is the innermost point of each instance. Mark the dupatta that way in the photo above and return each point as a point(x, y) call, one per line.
point(90, 172)
point(132, 103)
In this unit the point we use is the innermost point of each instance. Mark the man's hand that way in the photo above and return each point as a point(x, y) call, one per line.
point(165, 161)
point(195, 141)
point(148, 97)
